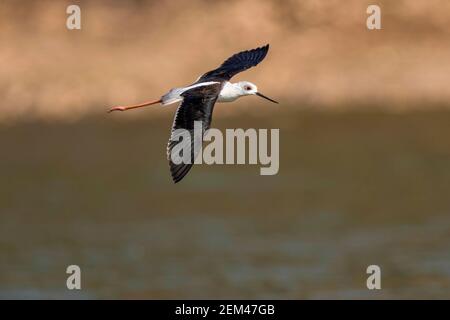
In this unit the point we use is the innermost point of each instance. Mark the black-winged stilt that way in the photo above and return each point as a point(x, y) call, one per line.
point(199, 98)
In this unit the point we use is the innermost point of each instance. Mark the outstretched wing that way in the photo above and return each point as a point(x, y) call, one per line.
point(198, 104)
point(237, 63)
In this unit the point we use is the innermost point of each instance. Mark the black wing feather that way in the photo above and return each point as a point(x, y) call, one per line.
point(237, 63)
point(198, 104)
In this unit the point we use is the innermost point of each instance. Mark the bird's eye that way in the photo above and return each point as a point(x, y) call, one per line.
point(248, 88)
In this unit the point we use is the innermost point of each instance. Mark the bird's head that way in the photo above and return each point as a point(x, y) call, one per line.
point(248, 88)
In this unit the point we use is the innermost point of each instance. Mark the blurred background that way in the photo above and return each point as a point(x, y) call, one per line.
point(364, 172)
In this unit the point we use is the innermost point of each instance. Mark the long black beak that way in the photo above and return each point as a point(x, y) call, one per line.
point(267, 98)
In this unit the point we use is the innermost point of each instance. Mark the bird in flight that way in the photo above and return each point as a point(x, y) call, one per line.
point(198, 99)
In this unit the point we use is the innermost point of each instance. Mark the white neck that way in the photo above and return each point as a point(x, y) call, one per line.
point(230, 92)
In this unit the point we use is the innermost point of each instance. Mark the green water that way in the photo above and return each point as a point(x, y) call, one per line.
point(354, 189)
